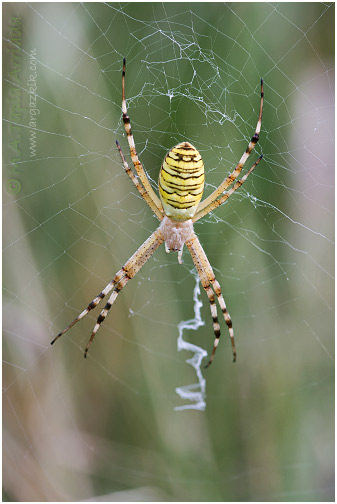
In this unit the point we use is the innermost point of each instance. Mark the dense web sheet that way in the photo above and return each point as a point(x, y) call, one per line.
point(135, 421)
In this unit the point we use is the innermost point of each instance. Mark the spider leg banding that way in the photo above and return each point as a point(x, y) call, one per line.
point(211, 286)
point(179, 205)
point(128, 271)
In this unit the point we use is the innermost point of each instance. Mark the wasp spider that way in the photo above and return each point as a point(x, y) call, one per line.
point(181, 184)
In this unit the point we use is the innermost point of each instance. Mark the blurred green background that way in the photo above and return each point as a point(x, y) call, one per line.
point(105, 428)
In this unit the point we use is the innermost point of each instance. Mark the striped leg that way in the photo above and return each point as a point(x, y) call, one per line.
point(138, 185)
point(128, 271)
point(229, 193)
point(134, 156)
point(123, 281)
point(234, 175)
point(92, 305)
point(222, 304)
point(207, 277)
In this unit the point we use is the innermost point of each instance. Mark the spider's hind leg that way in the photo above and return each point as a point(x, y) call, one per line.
point(228, 320)
point(210, 284)
point(90, 307)
point(128, 271)
point(107, 307)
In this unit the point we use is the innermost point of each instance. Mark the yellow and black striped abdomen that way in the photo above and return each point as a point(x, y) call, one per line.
point(181, 181)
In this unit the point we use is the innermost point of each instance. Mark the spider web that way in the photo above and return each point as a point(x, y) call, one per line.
point(123, 424)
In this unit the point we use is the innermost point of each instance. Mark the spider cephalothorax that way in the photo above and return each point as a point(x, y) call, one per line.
point(181, 184)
